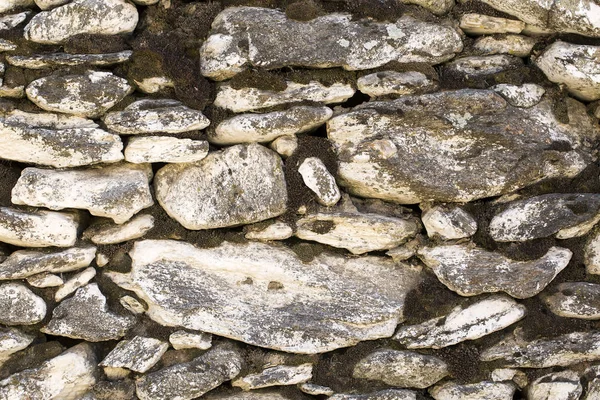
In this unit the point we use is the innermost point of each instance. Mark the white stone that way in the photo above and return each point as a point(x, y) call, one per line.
point(397, 83)
point(575, 300)
point(251, 99)
point(78, 280)
point(190, 340)
point(261, 128)
point(100, 17)
point(13, 340)
point(27, 263)
point(386, 394)
point(526, 95)
point(509, 374)
point(102, 260)
point(45, 280)
point(591, 253)
point(318, 179)
point(278, 230)
point(145, 2)
point(7, 45)
point(516, 45)
point(116, 191)
point(165, 149)
point(285, 146)
point(17, 92)
point(8, 5)
point(475, 391)
point(448, 222)
point(479, 24)
point(438, 7)
point(10, 21)
point(37, 228)
point(48, 4)
point(19, 305)
point(275, 376)
point(138, 354)
point(154, 84)
point(477, 66)
point(131, 304)
point(315, 390)
point(563, 385)
point(40, 61)
point(109, 233)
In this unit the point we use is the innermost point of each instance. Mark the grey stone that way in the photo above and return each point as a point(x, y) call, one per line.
point(266, 394)
point(318, 179)
point(285, 146)
point(591, 257)
point(37, 228)
point(165, 149)
point(12, 20)
point(478, 66)
point(48, 4)
point(438, 7)
point(395, 83)
point(266, 296)
point(479, 24)
point(132, 305)
point(40, 61)
point(315, 390)
point(526, 95)
point(8, 5)
point(138, 354)
point(454, 158)
point(112, 390)
point(593, 383)
point(564, 215)
point(86, 316)
point(12, 341)
point(78, 280)
point(510, 374)
point(26, 263)
point(516, 45)
point(277, 230)
point(276, 41)
point(19, 305)
point(401, 368)
point(45, 280)
point(7, 45)
point(448, 222)
point(563, 385)
point(240, 185)
point(387, 394)
point(278, 375)
point(575, 300)
point(475, 391)
point(110, 233)
point(471, 271)
point(190, 340)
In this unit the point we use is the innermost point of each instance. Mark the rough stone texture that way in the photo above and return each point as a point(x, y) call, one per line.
point(438, 7)
point(478, 66)
point(252, 99)
point(395, 83)
point(463, 323)
point(276, 41)
point(275, 376)
point(45, 280)
point(357, 232)
point(12, 20)
point(154, 84)
point(86, 316)
point(261, 128)
point(6, 45)
point(575, 300)
point(563, 350)
point(190, 340)
point(67, 376)
point(318, 179)
point(285, 146)
point(401, 368)
point(117, 191)
point(26, 263)
point(48, 4)
point(78, 280)
point(88, 95)
point(37, 228)
point(165, 149)
point(563, 385)
point(479, 24)
point(593, 383)
point(563, 215)
point(472, 271)
point(138, 354)
point(110, 233)
point(526, 95)
point(315, 390)
point(516, 45)
point(13, 340)
point(239, 185)
point(448, 222)
point(475, 391)
point(278, 230)
point(264, 295)
point(19, 305)
point(101, 17)
point(454, 157)
point(591, 254)
point(387, 394)
point(510, 374)
point(40, 61)
point(190, 380)
point(267, 394)
point(131, 304)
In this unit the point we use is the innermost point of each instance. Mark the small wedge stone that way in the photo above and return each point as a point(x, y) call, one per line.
point(563, 385)
point(45, 280)
point(78, 280)
point(279, 375)
point(278, 230)
point(109, 233)
point(13, 340)
point(448, 222)
point(165, 149)
point(12, 20)
point(526, 95)
point(285, 146)
point(190, 340)
point(138, 354)
point(318, 179)
point(591, 257)
point(516, 45)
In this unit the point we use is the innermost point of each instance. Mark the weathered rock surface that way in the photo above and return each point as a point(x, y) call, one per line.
point(48, 4)
point(275, 376)
point(510, 374)
point(475, 391)
point(516, 45)
point(563, 215)
point(454, 157)
point(13, 340)
point(88, 95)
point(67, 376)
point(285, 146)
point(463, 323)
point(267, 394)
point(251, 128)
point(575, 300)
point(78, 280)
point(401, 368)
point(278, 230)
point(110, 233)
point(477, 66)
point(563, 385)
point(357, 232)
point(190, 380)
point(276, 41)
point(190, 340)
point(154, 84)
point(273, 300)
point(37, 228)
point(251, 99)
point(438, 7)
point(479, 24)
point(563, 350)
point(395, 83)
point(315, 390)
point(6, 45)
point(575, 66)
point(115, 191)
point(387, 394)
point(12, 20)
point(318, 179)
point(147, 116)
point(591, 257)
point(138, 354)
point(45, 280)
point(593, 383)
point(472, 271)
point(19, 305)
point(40, 61)
point(132, 304)
point(239, 185)
point(448, 222)
point(101, 17)
point(9, 5)
point(526, 95)
point(26, 263)
point(86, 316)
point(165, 149)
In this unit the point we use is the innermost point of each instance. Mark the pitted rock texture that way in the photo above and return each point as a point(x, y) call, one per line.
point(37, 228)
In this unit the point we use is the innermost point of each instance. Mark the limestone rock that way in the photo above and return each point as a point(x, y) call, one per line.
point(395, 83)
point(19, 305)
point(48, 4)
point(109, 233)
point(252, 99)
point(40, 61)
point(6, 45)
point(273, 299)
point(575, 300)
point(67, 376)
point(387, 394)
point(100, 17)
point(357, 232)
point(563, 215)
point(27, 263)
point(477, 66)
point(277, 41)
point(278, 230)
point(115, 191)
point(187, 381)
point(88, 95)
point(516, 45)
point(401, 368)
point(132, 304)
point(593, 383)
point(151, 117)
point(479, 24)
point(575, 66)
point(526, 95)
point(12, 20)
point(563, 385)
point(454, 158)
point(315, 390)
point(510, 374)
point(448, 222)
point(438, 7)
point(154, 84)
point(165, 149)
point(463, 323)
point(190, 340)
point(275, 376)
point(472, 271)
point(239, 185)
point(78, 280)
point(318, 179)
point(138, 354)
point(251, 128)
point(45, 280)
point(37, 228)
point(112, 390)
point(475, 391)
point(591, 257)
point(8, 5)
point(13, 340)
point(86, 316)
point(285, 146)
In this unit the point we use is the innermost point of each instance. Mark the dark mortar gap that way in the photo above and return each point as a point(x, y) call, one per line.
point(356, 100)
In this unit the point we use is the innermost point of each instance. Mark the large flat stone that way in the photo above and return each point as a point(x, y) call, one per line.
point(264, 295)
point(37, 228)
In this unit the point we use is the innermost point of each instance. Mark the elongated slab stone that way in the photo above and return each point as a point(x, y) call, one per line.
point(109, 233)
point(472, 271)
point(557, 385)
point(10, 21)
point(138, 354)
point(116, 191)
point(387, 394)
point(264, 295)
point(40, 61)
point(463, 323)
point(274, 41)
point(516, 45)
point(275, 376)
point(37, 229)
point(100, 17)
point(25, 263)
point(591, 253)
point(455, 157)
point(165, 149)
point(13, 340)
point(479, 24)
point(485, 390)
point(397, 83)
point(575, 300)
point(526, 95)
point(78, 280)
